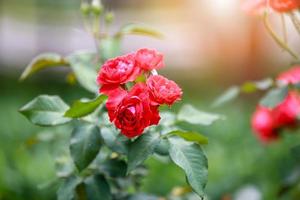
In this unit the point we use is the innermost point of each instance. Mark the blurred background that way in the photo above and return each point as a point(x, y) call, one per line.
point(208, 46)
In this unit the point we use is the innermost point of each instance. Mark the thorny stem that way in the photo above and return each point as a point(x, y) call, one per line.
point(295, 21)
point(277, 39)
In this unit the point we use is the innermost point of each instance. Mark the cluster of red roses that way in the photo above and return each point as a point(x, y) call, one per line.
point(268, 122)
point(133, 108)
point(259, 6)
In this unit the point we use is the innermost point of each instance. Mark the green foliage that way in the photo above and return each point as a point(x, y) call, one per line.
point(66, 190)
point(46, 110)
point(115, 171)
point(85, 144)
point(230, 94)
point(115, 141)
point(82, 108)
point(43, 61)
point(141, 149)
point(274, 97)
point(191, 115)
point(137, 29)
point(83, 65)
point(190, 136)
point(248, 87)
point(192, 160)
point(97, 188)
point(110, 47)
point(295, 151)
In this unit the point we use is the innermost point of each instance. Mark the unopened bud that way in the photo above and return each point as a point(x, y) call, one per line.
point(109, 17)
point(85, 8)
point(97, 7)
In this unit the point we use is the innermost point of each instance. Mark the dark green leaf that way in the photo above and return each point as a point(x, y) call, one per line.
point(110, 47)
point(97, 188)
point(43, 61)
point(274, 97)
point(46, 110)
point(84, 68)
point(138, 29)
point(193, 116)
point(227, 96)
point(141, 149)
point(83, 108)
point(295, 151)
point(190, 136)
point(192, 160)
point(80, 192)
point(115, 141)
point(114, 167)
point(163, 147)
point(84, 145)
point(67, 190)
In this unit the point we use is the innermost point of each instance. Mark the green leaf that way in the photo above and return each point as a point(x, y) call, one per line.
point(191, 115)
point(115, 141)
point(253, 86)
point(46, 110)
point(114, 167)
point(110, 47)
point(274, 97)
point(84, 145)
point(67, 190)
point(83, 108)
point(140, 149)
point(190, 136)
point(295, 151)
point(43, 61)
point(97, 188)
point(227, 96)
point(141, 196)
point(83, 65)
point(138, 29)
point(163, 147)
point(192, 160)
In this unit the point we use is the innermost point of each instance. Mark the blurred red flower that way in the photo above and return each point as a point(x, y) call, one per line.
point(284, 5)
point(291, 76)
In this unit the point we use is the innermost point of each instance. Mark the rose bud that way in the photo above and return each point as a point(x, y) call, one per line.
point(263, 125)
point(284, 5)
point(291, 76)
point(163, 90)
point(117, 71)
point(134, 113)
point(149, 59)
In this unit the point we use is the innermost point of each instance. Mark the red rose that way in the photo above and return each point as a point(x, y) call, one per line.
point(149, 59)
point(162, 90)
point(287, 111)
point(118, 71)
point(254, 7)
point(115, 96)
point(291, 76)
point(284, 5)
point(134, 113)
point(263, 124)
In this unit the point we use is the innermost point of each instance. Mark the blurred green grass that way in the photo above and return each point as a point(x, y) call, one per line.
point(236, 158)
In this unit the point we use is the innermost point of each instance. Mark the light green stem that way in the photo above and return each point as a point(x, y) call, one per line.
point(284, 31)
point(295, 21)
point(277, 39)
